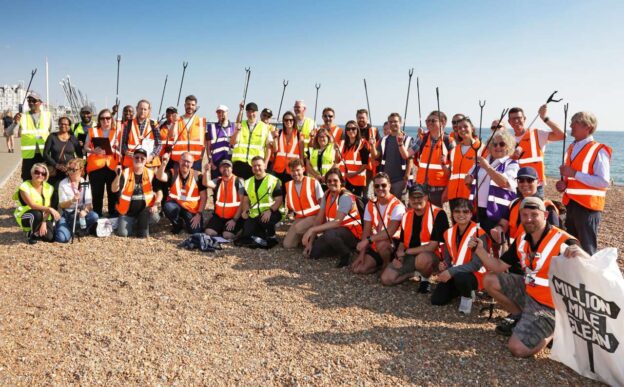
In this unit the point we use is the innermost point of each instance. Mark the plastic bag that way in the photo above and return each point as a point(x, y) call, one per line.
point(589, 322)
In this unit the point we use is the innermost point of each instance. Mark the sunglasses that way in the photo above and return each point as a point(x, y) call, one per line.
point(73, 169)
point(496, 127)
point(525, 180)
point(463, 211)
point(327, 116)
point(431, 120)
point(455, 122)
point(40, 173)
point(288, 120)
point(349, 128)
point(499, 144)
point(30, 100)
point(106, 118)
point(382, 185)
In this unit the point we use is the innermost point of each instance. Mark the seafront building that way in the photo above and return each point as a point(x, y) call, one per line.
point(11, 96)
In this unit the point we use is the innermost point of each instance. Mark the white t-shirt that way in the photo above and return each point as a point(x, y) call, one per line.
point(397, 212)
point(67, 191)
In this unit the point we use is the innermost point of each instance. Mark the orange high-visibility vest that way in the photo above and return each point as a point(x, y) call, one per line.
point(186, 195)
point(228, 198)
point(536, 264)
point(352, 159)
point(286, 151)
point(335, 131)
point(434, 172)
point(305, 203)
point(585, 195)
point(128, 188)
point(377, 218)
point(135, 139)
point(352, 220)
point(460, 167)
point(426, 228)
point(460, 253)
point(95, 162)
point(532, 155)
point(188, 138)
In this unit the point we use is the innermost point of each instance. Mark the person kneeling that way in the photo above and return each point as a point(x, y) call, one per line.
point(226, 219)
point(337, 227)
point(461, 272)
point(303, 195)
point(187, 194)
point(137, 205)
point(262, 198)
point(75, 193)
point(422, 232)
point(382, 222)
point(33, 213)
point(519, 280)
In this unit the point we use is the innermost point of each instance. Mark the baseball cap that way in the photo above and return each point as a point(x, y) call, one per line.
point(533, 203)
point(140, 151)
point(171, 109)
point(35, 95)
point(267, 111)
point(225, 162)
point(252, 106)
point(527, 172)
point(223, 108)
point(86, 109)
point(417, 191)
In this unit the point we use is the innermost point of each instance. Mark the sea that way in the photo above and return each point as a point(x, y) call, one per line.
point(552, 157)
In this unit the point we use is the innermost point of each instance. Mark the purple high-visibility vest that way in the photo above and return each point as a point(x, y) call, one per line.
point(219, 137)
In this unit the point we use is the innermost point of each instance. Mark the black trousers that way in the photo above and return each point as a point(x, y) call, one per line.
point(462, 284)
point(242, 170)
point(28, 163)
point(102, 180)
point(582, 223)
point(338, 242)
point(33, 219)
point(255, 227)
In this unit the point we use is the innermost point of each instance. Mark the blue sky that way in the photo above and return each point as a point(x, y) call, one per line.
point(508, 53)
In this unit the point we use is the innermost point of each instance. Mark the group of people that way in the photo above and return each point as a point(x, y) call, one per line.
point(373, 199)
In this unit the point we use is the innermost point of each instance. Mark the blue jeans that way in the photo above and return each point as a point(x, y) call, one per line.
point(63, 230)
point(180, 217)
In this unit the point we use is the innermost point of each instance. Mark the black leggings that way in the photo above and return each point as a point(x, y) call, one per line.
point(102, 180)
point(461, 284)
point(33, 219)
point(255, 227)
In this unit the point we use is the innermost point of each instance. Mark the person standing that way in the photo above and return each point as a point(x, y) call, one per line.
point(286, 147)
point(531, 142)
point(218, 138)
point(140, 132)
point(462, 159)
point(250, 139)
point(190, 134)
point(7, 121)
point(33, 128)
point(305, 125)
point(354, 156)
point(81, 129)
point(371, 135)
point(322, 155)
point(60, 147)
point(393, 156)
point(328, 123)
point(585, 179)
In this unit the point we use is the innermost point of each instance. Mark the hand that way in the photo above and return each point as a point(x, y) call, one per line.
point(61, 167)
point(241, 105)
point(230, 224)
point(400, 138)
point(542, 111)
point(17, 117)
point(165, 158)
point(567, 171)
point(115, 109)
point(153, 209)
point(196, 220)
point(43, 229)
point(468, 179)
point(561, 186)
point(307, 250)
point(82, 213)
point(496, 234)
point(483, 163)
point(362, 245)
point(266, 215)
point(517, 153)
point(442, 266)
point(475, 242)
point(575, 251)
point(55, 214)
point(444, 276)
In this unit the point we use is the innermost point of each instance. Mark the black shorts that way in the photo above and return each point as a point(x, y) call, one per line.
point(217, 224)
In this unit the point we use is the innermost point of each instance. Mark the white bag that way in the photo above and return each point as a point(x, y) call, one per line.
point(589, 322)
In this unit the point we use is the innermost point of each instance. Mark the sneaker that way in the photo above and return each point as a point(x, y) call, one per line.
point(505, 328)
point(272, 241)
point(465, 305)
point(424, 287)
point(31, 238)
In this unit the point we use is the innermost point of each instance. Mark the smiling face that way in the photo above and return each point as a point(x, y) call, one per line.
point(464, 129)
point(433, 123)
point(527, 186)
point(289, 121)
point(34, 104)
point(498, 147)
point(297, 173)
point(143, 110)
point(462, 215)
point(532, 219)
point(362, 120)
point(186, 162)
point(455, 121)
point(39, 174)
point(516, 120)
point(138, 162)
point(63, 125)
point(418, 203)
point(351, 131)
point(323, 139)
point(333, 182)
point(128, 113)
point(382, 188)
point(580, 131)
point(190, 106)
point(328, 118)
point(258, 168)
point(300, 109)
